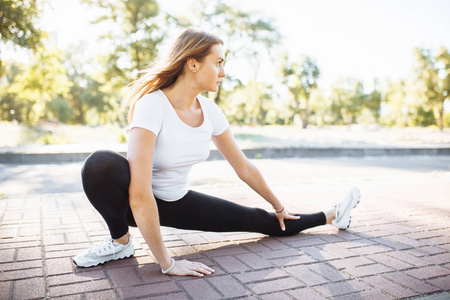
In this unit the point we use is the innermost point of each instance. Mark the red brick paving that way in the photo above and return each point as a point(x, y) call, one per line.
point(398, 247)
point(199, 289)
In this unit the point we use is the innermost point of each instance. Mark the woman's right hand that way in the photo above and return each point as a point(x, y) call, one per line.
point(186, 268)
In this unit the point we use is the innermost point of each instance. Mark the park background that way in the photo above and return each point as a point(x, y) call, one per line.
point(290, 65)
point(373, 75)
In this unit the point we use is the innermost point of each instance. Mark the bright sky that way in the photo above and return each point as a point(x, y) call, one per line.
point(350, 38)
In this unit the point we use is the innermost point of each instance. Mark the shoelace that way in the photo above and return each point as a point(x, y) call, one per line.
point(339, 203)
point(102, 247)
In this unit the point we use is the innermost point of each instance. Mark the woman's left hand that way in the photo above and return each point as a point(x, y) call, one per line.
point(285, 215)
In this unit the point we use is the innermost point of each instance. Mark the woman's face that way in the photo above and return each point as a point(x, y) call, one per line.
point(211, 71)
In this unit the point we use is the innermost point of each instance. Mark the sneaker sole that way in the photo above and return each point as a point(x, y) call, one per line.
point(102, 262)
point(350, 218)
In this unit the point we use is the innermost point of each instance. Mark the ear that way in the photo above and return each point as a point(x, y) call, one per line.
point(192, 64)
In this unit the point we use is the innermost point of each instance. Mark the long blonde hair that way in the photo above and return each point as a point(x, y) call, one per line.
point(191, 43)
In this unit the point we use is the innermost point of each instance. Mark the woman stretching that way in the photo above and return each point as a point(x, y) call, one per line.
point(171, 126)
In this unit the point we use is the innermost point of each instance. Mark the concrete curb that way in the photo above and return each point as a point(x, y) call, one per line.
point(41, 158)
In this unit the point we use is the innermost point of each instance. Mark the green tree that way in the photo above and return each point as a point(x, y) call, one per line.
point(74, 65)
point(347, 100)
point(301, 80)
point(424, 117)
point(60, 109)
point(250, 103)
point(86, 92)
point(373, 101)
point(250, 36)
point(395, 100)
point(320, 108)
point(137, 28)
point(42, 81)
point(403, 102)
point(10, 108)
point(433, 73)
point(18, 24)
point(135, 33)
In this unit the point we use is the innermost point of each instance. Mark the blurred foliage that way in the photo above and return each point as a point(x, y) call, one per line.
point(18, 20)
point(373, 101)
point(250, 104)
point(136, 29)
point(30, 89)
point(347, 100)
point(447, 119)
point(49, 138)
point(301, 80)
point(86, 94)
point(249, 36)
point(433, 74)
point(424, 117)
point(400, 105)
point(67, 87)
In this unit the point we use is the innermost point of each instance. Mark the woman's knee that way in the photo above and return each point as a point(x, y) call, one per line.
point(104, 164)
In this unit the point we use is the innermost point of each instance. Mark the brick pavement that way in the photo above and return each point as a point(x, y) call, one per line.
point(397, 247)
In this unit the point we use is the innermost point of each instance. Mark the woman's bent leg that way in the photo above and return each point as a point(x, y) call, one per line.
point(198, 211)
point(106, 178)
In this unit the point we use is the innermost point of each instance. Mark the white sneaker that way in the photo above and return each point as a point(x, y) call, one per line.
point(344, 208)
point(103, 252)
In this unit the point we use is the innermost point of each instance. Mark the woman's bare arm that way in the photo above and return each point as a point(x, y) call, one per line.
point(141, 147)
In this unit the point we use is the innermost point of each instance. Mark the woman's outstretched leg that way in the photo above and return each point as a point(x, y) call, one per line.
point(198, 211)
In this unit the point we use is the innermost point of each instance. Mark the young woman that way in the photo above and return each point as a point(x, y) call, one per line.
point(171, 126)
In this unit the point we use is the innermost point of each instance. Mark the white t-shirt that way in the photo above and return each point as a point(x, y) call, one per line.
point(178, 145)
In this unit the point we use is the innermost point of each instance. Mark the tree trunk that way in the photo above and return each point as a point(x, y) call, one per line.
point(306, 115)
point(81, 116)
point(297, 108)
point(28, 113)
point(441, 117)
point(261, 112)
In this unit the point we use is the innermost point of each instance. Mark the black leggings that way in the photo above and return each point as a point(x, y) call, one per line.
point(106, 178)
